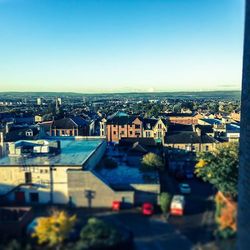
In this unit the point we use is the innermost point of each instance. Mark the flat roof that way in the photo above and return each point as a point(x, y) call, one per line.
point(73, 152)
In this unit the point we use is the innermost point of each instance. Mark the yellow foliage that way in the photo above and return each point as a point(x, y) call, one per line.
point(54, 229)
point(201, 164)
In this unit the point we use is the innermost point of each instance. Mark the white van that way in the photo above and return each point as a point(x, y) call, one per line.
point(177, 205)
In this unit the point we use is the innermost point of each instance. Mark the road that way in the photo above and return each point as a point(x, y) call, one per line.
point(198, 222)
point(149, 232)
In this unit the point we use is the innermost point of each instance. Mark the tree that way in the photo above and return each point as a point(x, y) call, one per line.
point(53, 230)
point(165, 199)
point(97, 235)
point(177, 108)
point(15, 245)
point(151, 161)
point(220, 168)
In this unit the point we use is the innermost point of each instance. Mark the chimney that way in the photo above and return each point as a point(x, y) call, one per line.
point(198, 131)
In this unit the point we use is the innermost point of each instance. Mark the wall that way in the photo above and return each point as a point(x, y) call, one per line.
point(197, 147)
point(83, 184)
point(12, 176)
point(146, 193)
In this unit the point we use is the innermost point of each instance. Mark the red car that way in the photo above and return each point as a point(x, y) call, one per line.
point(147, 208)
point(116, 205)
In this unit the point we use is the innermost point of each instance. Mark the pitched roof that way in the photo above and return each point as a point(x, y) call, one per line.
point(122, 120)
point(179, 127)
point(141, 141)
point(69, 123)
point(187, 137)
point(149, 123)
point(19, 133)
point(205, 128)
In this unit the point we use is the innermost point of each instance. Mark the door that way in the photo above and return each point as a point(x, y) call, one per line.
point(28, 177)
point(19, 197)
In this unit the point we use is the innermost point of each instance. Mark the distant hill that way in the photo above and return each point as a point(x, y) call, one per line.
point(193, 94)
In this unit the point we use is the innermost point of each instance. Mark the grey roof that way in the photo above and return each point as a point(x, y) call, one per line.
point(205, 128)
point(73, 152)
point(69, 123)
point(179, 127)
point(187, 137)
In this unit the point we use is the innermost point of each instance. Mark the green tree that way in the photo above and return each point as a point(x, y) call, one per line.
point(97, 235)
point(53, 230)
point(15, 245)
point(165, 199)
point(151, 161)
point(220, 168)
point(177, 108)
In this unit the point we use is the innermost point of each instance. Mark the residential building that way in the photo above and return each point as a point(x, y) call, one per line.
point(121, 125)
point(188, 138)
point(73, 126)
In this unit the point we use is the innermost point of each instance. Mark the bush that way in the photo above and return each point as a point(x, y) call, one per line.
point(98, 235)
point(225, 216)
point(152, 162)
point(110, 163)
point(165, 199)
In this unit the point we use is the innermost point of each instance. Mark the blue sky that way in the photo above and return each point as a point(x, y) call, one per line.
point(120, 45)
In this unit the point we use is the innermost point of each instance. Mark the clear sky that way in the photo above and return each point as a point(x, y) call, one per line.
point(120, 45)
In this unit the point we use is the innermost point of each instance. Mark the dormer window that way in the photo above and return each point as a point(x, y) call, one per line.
point(29, 133)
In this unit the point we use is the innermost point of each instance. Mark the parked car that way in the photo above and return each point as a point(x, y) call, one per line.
point(185, 188)
point(177, 205)
point(147, 208)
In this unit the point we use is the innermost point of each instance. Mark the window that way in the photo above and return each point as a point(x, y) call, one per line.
point(34, 197)
point(28, 177)
point(207, 148)
point(130, 132)
point(137, 126)
point(122, 133)
point(114, 132)
point(137, 134)
point(29, 133)
point(122, 126)
point(159, 126)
